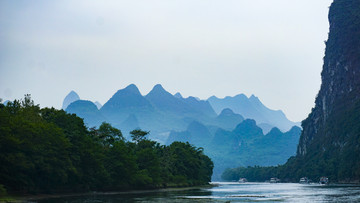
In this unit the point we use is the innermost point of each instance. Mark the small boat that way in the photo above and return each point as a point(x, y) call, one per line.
point(324, 180)
point(274, 180)
point(304, 180)
point(243, 180)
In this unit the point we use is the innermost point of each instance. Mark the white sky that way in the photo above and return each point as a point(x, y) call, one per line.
point(272, 49)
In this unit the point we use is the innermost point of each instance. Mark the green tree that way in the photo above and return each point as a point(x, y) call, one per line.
point(138, 135)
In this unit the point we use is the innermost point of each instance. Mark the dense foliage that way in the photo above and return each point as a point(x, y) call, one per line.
point(48, 150)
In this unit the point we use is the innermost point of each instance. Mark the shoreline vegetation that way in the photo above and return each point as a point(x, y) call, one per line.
point(48, 151)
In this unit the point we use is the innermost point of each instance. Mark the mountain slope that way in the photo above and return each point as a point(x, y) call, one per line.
point(228, 119)
point(88, 111)
point(98, 105)
point(200, 106)
point(125, 102)
point(166, 102)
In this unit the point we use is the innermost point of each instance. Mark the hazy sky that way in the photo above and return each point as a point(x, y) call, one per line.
point(272, 49)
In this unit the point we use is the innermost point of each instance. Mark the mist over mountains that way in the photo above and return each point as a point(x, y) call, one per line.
point(253, 108)
point(233, 131)
point(160, 111)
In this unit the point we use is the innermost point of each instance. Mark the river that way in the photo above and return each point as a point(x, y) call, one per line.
point(230, 192)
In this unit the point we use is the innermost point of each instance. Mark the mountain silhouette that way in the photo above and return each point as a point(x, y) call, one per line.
point(70, 98)
point(252, 108)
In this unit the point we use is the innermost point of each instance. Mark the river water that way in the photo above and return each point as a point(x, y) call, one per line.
point(231, 192)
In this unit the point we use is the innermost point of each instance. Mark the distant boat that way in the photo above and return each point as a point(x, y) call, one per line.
point(274, 180)
point(324, 180)
point(243, 180)
point(304, 180)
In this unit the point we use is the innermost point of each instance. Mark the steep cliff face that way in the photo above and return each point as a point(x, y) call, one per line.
point(341, 71)
point(331, 133)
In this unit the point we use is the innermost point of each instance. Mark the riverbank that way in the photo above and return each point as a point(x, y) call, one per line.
point(222, 192)
point(30, 197)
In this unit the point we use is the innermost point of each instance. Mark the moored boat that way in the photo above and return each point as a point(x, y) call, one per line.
point(274, 180)
point(324, 180)
point(243, 180)
point(304, 180)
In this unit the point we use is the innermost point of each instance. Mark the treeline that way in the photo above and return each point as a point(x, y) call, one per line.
point(48, 150)
point(285, 173)
point(296, 168)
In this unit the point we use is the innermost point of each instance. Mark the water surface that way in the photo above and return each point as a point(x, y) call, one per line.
point(231, 192)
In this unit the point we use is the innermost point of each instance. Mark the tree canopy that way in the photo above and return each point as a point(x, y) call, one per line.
point(48, 150)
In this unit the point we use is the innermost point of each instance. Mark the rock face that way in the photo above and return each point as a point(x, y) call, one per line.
point(341, 70)
point(331, 132)
point(70, 98)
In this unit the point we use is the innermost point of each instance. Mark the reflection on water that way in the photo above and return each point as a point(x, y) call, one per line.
point(233, 192)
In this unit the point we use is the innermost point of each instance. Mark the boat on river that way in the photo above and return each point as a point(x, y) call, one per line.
point(274, 180)
point(324, 181)
point(243, 180)
point(304, 180)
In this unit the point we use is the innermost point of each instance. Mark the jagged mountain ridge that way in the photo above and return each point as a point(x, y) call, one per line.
point(161, 112)
point(252, 108)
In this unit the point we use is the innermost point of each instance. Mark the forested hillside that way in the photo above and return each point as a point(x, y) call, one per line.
point(49, 150)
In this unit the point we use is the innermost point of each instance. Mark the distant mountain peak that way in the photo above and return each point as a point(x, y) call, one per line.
point(158, 87)
point(248, 122)
point(73, 92)
point(275, 130)
point(253, 97)
point(178, 95)
point(252, 108)
point(295, 129)
point(191, 98)
point(70, 98)
point(242, 96)
point(227, 111)
point(132, 88)
point(248, 127)
point(213, 97)
point(158, 90)
point(82, 104)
